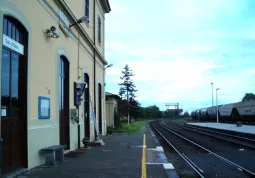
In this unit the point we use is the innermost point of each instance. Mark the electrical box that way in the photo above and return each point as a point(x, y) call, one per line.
point(79, 89)
point(74, 113)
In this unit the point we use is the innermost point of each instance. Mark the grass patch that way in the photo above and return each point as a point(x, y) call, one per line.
point(132, 127)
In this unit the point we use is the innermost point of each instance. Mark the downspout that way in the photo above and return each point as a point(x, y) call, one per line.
point(78, 68)
point(94, 31)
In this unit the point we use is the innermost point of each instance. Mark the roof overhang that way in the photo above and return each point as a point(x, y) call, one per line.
point(106, 5)
point(111, 95)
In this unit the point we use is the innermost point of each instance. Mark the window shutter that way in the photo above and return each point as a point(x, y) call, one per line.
point(99, 30)
point(87, 8)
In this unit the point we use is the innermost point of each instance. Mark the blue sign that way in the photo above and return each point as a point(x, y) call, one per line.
point(43, 107)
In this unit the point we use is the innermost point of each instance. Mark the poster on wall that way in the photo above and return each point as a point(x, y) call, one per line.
point(43, 107)
point(3, 111)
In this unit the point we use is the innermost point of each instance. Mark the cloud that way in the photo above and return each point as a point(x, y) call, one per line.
point(176, 50)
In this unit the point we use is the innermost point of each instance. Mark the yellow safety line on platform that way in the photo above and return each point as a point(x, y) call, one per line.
point(144, 158)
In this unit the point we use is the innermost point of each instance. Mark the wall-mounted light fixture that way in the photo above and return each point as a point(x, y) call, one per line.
point(80, 20)
point(107, 66)
point(52, 32)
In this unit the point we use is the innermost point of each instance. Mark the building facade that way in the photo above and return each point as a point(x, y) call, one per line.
point(111, 104)
point(43, 52)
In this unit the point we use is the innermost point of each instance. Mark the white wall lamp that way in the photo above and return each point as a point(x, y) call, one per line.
point(80, 20)
point(107, 66)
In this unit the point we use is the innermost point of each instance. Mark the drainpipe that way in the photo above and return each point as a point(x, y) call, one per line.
point(94, 31)
point(78, 68)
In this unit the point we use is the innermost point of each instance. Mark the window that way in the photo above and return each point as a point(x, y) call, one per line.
point(99, 30)
point(87, 8)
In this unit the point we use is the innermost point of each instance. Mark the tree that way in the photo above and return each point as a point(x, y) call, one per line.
point(149, 112)
point(153, 112)
point(127, 92)
point(248, 96)
point(186, 114)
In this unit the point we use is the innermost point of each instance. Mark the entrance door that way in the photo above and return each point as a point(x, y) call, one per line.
point(86, 107)
point(64, 102)
point(14, 99)
point(13, 123)
point(100, 107)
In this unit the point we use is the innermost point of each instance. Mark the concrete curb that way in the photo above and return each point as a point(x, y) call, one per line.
point(161, 157)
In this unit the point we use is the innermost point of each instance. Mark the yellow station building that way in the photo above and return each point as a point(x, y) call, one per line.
point(41, 59)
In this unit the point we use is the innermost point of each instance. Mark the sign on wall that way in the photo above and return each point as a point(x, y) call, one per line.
point(12, 44)
point(64, 18)
point(43, 107)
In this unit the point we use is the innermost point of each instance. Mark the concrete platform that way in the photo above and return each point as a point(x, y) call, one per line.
point(230, 127)
point(121, 156)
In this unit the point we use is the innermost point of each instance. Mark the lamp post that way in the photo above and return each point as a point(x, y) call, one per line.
point(217, 105)
point(212, 93)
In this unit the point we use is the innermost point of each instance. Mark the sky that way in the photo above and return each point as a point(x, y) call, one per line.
point(176, 48)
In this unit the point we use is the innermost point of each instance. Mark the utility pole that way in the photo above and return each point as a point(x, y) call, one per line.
point(128, 105)
point(217, 105)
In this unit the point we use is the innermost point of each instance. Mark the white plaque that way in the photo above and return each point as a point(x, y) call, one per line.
point(14, 45)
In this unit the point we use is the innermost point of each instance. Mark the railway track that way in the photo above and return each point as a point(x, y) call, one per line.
point(246, 142)
point(203, 161)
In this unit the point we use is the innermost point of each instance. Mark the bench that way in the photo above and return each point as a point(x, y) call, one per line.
point(55, 153)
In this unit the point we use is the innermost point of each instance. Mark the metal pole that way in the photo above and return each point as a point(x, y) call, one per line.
point(217, 105)
point(212, 93)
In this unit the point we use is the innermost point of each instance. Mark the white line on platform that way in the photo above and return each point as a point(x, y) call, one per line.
point(165, 165)
point(158, 148)
point(168, 166)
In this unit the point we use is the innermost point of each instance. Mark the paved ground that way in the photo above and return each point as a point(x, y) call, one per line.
point(120, 158)
point(231, 127)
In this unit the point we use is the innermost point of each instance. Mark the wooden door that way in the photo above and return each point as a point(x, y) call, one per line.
point(64, 102)
point(14, 98)
point(13, 123)
point(87, 107)
point(100, 107)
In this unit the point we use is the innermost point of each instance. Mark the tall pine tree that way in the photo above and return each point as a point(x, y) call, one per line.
point(127, 91)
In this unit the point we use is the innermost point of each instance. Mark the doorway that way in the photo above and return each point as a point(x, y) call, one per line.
point(100, 107)
point(87, 107)
point(64, 102)
point(14, 95)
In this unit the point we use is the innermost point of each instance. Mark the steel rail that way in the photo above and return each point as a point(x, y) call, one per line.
point(218, 137)
point(221, 133)
point(216, 155)
point(191, 164)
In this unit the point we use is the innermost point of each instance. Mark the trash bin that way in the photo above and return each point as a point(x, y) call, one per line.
point(1, 149)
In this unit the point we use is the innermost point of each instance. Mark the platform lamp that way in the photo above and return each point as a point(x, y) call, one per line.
point(107, 66)
point(80, 20)
point(217, 105)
